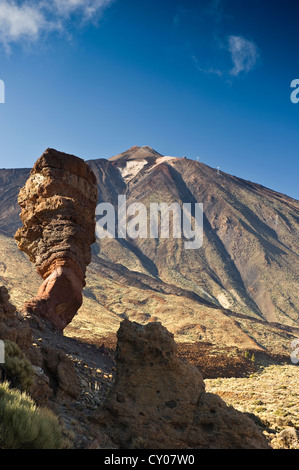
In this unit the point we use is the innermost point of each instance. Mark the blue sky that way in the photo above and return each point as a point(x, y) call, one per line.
point(208, 79)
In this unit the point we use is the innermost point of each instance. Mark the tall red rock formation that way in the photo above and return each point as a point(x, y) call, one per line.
point(58, 205)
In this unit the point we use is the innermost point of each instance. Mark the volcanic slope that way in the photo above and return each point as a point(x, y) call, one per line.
point(249, 258)
point(239, 289)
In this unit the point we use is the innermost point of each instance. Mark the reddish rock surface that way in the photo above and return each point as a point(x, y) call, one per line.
point(58, 205)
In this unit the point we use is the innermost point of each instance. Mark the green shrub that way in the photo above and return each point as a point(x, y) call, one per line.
point(25, 426)
point(17, 369)
point(247, 355)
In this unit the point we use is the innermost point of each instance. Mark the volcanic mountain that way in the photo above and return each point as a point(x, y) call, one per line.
point(240, 288)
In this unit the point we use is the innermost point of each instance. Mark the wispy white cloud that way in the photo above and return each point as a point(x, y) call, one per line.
point(19, 22)
point(28, 20)
point(244, 54)
point(178, 16)
point(88, 8)
point(214, 9)
point(227, 56)
point(207, 70)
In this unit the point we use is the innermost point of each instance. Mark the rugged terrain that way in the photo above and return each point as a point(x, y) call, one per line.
point(239, 289)
point(232, 305)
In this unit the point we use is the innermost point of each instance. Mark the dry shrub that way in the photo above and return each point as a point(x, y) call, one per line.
point(25, 426)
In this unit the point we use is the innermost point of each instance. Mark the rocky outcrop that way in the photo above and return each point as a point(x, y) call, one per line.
point(15, 328)
point(54, 373)
point(62, 373)
point(12, 325)
point(158, 401)
point(58, 205)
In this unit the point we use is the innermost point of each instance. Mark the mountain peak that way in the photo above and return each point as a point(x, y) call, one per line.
point(136, 153)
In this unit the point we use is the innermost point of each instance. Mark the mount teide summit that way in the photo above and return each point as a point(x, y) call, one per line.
point(247, 267)
point(249, 258)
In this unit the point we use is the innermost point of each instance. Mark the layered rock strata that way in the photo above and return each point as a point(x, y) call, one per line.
point(58, 205)
point(159, 402)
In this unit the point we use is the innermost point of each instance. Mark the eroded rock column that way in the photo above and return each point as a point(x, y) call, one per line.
point(58, 205)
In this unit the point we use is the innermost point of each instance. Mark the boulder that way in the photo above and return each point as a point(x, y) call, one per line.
point(58, 205)
point(61, 371)
point(288, 438)
point(158, 401)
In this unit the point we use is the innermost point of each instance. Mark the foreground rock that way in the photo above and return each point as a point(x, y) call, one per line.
point(12, 325)
point(58, 205)
point(159, 401)
point(54, 374)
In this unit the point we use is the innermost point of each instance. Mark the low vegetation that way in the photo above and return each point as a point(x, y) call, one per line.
point(25, 426)
point(269, 396)
point(17, 369)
